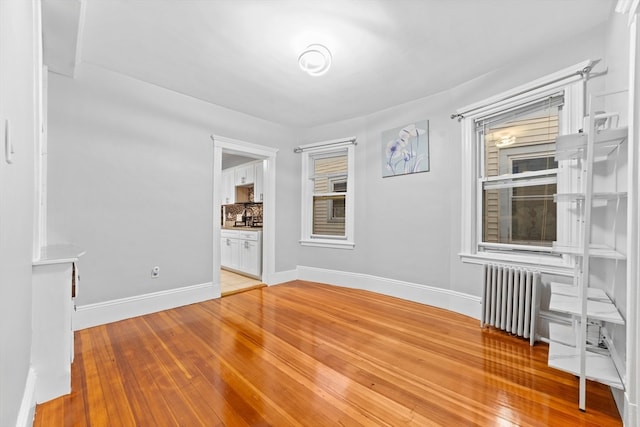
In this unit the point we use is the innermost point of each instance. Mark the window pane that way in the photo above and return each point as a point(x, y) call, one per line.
point(520, 215)
point(509, 145)
point(328, 169)
point(325, 209)
point(533, 164)
point(340, 186)
point(336, 210)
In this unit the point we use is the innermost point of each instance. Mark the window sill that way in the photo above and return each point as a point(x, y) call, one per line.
point(327, 243)
point(542, 263)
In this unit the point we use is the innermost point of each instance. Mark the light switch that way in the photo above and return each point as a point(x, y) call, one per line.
point(8, 146)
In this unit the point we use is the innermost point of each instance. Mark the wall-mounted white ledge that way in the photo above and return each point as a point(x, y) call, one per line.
point(336, 244)
point(58, 254)
point(544, 264)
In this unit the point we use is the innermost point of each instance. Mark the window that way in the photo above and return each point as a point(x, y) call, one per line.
point(335, 212)
point(519, 175)
point(327, 195)
point(510, 173)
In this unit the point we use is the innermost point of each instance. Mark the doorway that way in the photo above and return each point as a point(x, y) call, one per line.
point(229, 151)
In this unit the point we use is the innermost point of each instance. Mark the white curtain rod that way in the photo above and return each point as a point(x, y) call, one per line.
point(583, 70)
point(341, 141)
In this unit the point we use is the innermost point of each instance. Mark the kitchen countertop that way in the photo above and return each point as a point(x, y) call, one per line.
point(243, 228)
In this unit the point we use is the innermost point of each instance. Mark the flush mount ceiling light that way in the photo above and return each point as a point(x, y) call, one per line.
point(315, 60)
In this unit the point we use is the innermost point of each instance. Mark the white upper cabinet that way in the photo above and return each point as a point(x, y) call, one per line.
point(244, 174)
point(228, 187)
point(258, 188)
point(243, 177)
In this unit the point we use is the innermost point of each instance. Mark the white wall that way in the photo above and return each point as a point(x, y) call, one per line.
point(617, 78)
point(19, 45)
point(408, 227)
point(288, 196)
point(130, 181)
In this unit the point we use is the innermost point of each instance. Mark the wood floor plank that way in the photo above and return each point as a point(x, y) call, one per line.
point(332, 359)
point(305, 370)
point(273, 378)
point(365, 354)
point(135, 361)
point(106, 373)
point(307, 354)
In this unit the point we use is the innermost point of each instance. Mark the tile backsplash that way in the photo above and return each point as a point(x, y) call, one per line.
point(229, 212)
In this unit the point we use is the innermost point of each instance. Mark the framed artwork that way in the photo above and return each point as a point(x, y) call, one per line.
point(405, 149)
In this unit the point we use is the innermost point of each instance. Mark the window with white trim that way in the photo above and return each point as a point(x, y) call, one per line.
point(327, 194)
point(510, 173)
point(518, 176)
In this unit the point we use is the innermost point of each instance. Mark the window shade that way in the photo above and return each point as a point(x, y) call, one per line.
point(555, 100)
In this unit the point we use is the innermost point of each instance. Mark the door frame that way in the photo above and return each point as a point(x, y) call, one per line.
point(260, 152)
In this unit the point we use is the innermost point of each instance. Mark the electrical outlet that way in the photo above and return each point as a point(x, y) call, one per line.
point(155, 272)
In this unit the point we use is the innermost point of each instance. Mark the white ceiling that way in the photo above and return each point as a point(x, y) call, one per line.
point(242, 54)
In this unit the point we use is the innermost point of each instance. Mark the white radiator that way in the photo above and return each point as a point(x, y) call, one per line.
point(510, 300)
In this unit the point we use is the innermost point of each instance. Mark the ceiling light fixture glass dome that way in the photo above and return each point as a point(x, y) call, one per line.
point(315, 60)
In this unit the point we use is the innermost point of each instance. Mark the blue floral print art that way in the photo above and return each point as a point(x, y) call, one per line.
point(405, 150)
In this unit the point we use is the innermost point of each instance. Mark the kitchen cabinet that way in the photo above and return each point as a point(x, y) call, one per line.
point(244, 174)
point(250, 257)
point(237, 181)
point(241, 251)
point(229, 252)
point(228, 186)
point(258, 192)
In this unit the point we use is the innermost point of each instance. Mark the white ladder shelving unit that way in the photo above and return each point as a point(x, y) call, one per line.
point(573, 346)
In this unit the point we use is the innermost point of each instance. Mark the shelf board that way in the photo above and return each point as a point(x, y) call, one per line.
point(596, 294)
point(596, 251)
point(613, 195)
point(599, 367)
point(573, 146)
point(597, 309)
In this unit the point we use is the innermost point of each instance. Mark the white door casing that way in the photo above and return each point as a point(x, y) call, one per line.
point(268, 154)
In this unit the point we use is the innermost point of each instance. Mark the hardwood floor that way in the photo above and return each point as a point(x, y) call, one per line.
point(305, 354)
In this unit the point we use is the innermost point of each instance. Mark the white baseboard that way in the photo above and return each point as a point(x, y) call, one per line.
point(630, 414)
point(28, 404)
point(90, 315)
point(281, 277)
point(458, 302)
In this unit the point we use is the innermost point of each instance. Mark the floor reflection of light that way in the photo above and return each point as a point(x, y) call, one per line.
point(505, 416)
point(339, 382)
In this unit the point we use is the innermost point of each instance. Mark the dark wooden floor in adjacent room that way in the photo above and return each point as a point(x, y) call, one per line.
point(305, 354)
